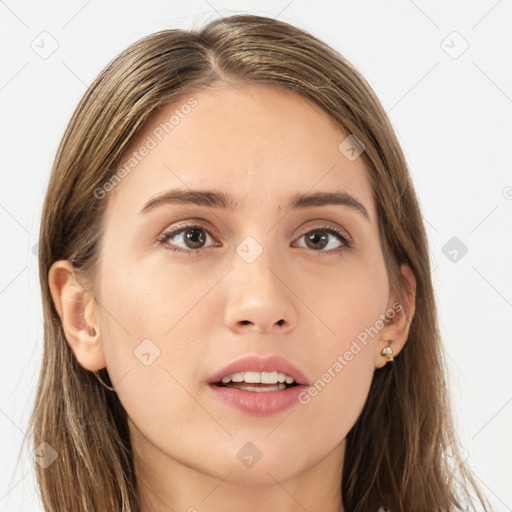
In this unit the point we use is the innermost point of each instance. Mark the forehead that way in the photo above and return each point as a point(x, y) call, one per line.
point(258, 143)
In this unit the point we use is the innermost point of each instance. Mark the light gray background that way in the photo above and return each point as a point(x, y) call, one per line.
point(452, 114)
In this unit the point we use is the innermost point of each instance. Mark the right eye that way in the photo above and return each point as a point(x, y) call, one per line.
point(188, 235)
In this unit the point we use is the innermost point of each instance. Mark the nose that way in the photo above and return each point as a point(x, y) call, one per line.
point(261, 300)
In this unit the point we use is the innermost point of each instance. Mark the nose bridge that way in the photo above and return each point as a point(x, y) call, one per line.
point(258, 295)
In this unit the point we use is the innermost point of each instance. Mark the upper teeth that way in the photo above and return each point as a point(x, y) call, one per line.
point(255, 377)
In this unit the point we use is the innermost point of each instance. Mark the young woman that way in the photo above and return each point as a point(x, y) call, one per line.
point(239, 313)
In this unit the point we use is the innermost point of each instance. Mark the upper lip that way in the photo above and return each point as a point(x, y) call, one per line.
point(272, 363)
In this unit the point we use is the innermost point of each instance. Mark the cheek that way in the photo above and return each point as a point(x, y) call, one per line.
point(350, 309)
point(345, 302)
point(152, 336)
point(162, 304)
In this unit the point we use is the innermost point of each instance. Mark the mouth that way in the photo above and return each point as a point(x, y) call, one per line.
point(259, 386)
point(257, 382)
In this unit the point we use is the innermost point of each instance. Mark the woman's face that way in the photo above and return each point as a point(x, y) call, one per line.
point(266, 280)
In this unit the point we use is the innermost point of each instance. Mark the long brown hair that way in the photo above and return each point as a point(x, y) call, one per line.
point(396, 451)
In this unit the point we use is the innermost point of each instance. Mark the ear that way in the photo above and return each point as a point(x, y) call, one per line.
point(76, 309)
point(400, 313)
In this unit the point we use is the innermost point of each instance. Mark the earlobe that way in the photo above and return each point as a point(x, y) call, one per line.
point(75, 308)
point(395, 332)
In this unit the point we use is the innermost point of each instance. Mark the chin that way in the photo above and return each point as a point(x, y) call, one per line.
point(255, 460)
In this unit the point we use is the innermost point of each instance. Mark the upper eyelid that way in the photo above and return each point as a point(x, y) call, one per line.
point(199, 223)
point(179, 228)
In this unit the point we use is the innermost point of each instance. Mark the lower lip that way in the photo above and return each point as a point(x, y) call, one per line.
point(263, 403)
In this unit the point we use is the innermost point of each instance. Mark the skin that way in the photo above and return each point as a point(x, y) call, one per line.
point(193, 307)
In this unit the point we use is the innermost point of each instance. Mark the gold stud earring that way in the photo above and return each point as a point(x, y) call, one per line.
point(92, 330)
point(387, 352)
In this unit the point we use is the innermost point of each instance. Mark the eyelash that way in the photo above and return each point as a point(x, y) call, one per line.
point(342, 237)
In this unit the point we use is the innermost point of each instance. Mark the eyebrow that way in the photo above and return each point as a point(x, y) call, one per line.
point(213, 199)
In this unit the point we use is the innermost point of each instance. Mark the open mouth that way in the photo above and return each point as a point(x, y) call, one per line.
point(244, 386)
point(258, 385)
point(259, 382)
point(259, 393)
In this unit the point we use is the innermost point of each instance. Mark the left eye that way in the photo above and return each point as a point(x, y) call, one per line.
point(318, 239)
